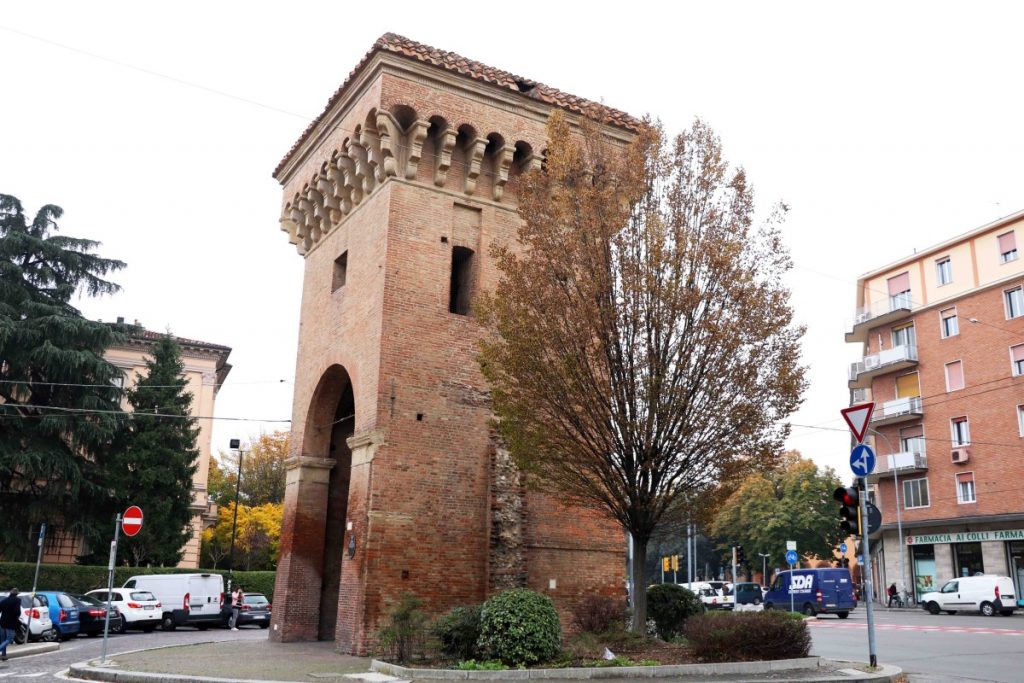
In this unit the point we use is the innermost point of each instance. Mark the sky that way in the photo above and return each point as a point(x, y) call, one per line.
point(886, 127)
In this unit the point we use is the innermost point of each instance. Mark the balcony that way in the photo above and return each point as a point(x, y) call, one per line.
point(881, 313)
point(894, 412)
point(890, 360)
point(905, 463)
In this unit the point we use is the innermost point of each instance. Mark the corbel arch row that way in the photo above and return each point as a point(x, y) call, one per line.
point(400, 142)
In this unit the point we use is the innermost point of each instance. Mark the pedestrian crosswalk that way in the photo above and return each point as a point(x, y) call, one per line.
point(920, 628)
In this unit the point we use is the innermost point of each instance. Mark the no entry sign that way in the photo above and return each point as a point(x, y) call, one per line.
point(131, 523)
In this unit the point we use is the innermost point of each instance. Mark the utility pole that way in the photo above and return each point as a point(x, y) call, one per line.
point(235, 444)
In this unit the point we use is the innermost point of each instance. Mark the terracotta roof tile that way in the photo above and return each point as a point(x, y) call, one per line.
point(399, 45)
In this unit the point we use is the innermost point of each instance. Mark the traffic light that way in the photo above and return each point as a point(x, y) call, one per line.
point(675, 563)
point(664, 564)
point(741, 557)
point(849, 509)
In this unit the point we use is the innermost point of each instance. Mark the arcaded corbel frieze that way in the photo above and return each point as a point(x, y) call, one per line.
point(303, 241)
point(341, 192)
point(416, 134)
point(310, 228)
point(446, 144)
point(390, 136)
point(327, 188)
point(474, 157)
point(320, 217)
point(371, 143)
point(532, 162)
point(353, 187)
point(288, 225)
point(364, 177)
point(503, 161)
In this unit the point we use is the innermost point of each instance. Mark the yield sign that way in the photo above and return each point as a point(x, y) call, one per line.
point(131, 522)
point(858, 417)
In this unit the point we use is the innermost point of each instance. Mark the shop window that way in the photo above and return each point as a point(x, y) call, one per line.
point(954, 376)
point(960, 431)
point(1014, 300)
point(915, 493)
point(950, 324)
point(965, 492)
point(925, 576)
point(944, 271)
point(967, 559)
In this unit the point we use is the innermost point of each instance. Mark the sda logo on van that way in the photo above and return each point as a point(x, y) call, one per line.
point(801, 583)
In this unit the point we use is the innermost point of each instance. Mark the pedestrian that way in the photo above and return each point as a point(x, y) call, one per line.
point(892, 595)
point(10, 617)
point(236, 606)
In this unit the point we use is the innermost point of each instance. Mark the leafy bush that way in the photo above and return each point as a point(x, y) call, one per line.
point(473, 665)
point(519, 627)
point(77, 578)
point(405, 630)
point(598, 614)
point(725, 637)
point(458, 632)
point(670, 605)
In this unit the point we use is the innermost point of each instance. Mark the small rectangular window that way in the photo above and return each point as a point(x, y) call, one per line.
point(954, 376)
point(944, 270)
point(340, 272)
point(915, 493)
point(1014, 299)
point(1020, 419)
point(965, 488)
point(1017, 360)
point(960, 431)
point(460, 291)
point(1007, 247)
point(950, 324)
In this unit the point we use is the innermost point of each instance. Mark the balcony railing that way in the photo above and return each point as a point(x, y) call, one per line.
point(900, 410)
point(880, 313)
point(907, 462)
point(896, 358)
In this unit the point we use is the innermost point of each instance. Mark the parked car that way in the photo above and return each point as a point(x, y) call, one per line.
point(40, 624)
point(747, 593)
point(92, 615)
point(987, 594)
point(813, 592)
point(255, 610)
point(139, 608)
point(187, 599)
point(63, 613)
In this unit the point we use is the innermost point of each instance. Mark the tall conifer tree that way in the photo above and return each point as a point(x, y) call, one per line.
point(59, 410)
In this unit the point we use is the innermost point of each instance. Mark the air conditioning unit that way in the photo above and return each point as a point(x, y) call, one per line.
point(960, 455)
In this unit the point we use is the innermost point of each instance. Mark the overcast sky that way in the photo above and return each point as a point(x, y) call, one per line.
point(887, 127)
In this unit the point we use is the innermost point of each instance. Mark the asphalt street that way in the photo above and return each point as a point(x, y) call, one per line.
point(929, 648)
point(48, 666)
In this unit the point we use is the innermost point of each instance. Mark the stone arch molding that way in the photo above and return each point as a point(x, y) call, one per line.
point(391, 144)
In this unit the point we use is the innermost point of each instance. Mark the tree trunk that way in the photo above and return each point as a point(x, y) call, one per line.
point(639, 587)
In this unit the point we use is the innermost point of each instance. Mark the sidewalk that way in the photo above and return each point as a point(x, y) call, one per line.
point(14, 651)
point(264, 661)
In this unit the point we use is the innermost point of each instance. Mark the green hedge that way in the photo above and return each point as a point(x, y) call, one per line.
point(75, 578)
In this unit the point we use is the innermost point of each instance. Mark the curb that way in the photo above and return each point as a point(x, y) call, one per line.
point(29, 650)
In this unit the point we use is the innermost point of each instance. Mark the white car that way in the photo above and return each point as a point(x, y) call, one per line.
point(139, 609)
point(40, 624)
point(987, 594)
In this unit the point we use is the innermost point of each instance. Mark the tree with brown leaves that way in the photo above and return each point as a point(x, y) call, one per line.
point(643, 355)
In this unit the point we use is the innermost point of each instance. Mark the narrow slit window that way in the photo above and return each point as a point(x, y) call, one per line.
point(340, 272)
point(460, 290)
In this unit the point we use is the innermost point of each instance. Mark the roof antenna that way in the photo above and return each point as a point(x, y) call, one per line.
point(999, 211)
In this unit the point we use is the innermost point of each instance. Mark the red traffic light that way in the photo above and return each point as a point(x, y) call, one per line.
point(847, 496)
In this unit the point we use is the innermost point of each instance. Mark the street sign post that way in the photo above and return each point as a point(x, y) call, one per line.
point(791, 560)
point(858, 417)
point(131, 522)
point(791, 557)
point(862, 460)
point(842, 547)
point(790, 545)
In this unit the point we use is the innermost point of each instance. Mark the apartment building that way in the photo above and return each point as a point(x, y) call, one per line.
point(942, 333)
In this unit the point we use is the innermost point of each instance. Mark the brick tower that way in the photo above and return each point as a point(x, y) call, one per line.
point(396, 483)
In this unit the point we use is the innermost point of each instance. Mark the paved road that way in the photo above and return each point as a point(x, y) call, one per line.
point(929, 648)
point(44, 667)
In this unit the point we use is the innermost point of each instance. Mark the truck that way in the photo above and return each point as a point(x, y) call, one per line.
point(186, 599)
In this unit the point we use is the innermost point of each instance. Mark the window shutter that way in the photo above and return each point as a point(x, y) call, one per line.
point(1018, 353)
point(900, 283)
point(1007, 242)
point(907, 385)
point(954, 376)
point(912, 432)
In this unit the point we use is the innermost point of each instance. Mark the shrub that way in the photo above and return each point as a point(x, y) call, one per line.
point(458, 632)
point(598, 614)
point(405, 629)
point(724, 637)
point(519, 627)
point(670, 605)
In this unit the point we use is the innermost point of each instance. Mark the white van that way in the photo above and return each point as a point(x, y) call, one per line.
point(987, 594)
point(186, 599)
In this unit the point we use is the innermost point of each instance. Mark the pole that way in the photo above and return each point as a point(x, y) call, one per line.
point(792, 606)
point(899, 519)
point(691, 553)
point(866, 547)
point(630, 583)
point(110, 584)
point(234, 524)
point(734, 576)
point(35, 581)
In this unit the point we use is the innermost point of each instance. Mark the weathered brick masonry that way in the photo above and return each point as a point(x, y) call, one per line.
point(396, 481)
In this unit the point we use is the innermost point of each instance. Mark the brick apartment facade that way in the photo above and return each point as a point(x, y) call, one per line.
point(396, 482)
point(943, 339)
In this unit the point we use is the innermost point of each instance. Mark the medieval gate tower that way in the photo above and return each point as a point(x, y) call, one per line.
point(396, 483)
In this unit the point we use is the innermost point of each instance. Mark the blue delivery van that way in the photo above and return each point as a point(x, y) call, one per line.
point(814, 591)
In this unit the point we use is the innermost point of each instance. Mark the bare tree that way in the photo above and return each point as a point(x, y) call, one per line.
point(643, 351)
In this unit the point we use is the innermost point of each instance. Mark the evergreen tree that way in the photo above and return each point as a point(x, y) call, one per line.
point(59, 410)
point(155, 459)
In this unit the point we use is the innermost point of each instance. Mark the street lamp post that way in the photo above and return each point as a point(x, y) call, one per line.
point(899, 516)
point(764, 567)
point(235, 445)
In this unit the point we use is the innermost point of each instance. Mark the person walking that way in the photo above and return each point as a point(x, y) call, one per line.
point(237, 596)
point(893, 597)
point(10, 617)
